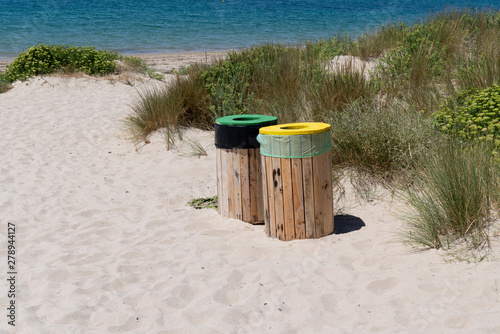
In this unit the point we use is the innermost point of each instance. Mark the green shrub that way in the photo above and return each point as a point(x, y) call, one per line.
point(45, 59)
point(228, 84)
point(154, 75)
point(267, 78)
point(184, 70)
point(473, 115)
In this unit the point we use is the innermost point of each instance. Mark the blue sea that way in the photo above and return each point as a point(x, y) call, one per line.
point(153, 26)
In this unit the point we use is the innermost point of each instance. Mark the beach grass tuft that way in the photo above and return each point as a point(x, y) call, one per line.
point(185, 102)
point(340, 87)
point(456, 198)
point(382, 141)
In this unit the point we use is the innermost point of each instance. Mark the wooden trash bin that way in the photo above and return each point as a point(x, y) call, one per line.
point(297, 180)
point(239, 180)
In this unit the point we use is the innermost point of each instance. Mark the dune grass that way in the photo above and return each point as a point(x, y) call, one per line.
point(382, 141)
point(291, 83)
point(424, 63)
point(167, 107)
point(343, 87)
point(456, 199)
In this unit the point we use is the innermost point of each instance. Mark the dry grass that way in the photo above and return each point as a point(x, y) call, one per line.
point(456, 199)
point(184, 101)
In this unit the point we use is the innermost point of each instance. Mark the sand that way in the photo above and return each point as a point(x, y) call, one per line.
point(106, 242)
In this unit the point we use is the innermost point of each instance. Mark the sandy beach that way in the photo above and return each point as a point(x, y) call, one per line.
point(107, 243)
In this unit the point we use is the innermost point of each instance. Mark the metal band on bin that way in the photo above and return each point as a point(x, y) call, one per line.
point(295, 140)
point(240, 131)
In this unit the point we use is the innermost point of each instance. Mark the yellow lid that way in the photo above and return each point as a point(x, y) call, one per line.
point(291, 129)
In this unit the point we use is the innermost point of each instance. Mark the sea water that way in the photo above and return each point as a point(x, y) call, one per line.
point(152, 26)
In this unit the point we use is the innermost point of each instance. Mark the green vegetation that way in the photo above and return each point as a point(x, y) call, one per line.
point(184, 70)
point(330, 48)
point(4, 86)
point(204, 203)
point(381, 141)
point(456, 199)
point(288, 82)
point(46, 59)
point(184, 102)
point(473, 115)
point(419, 54)
point(154, 75)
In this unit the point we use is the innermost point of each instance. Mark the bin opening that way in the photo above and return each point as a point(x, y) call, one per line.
point(293, 127)
point(247, 118)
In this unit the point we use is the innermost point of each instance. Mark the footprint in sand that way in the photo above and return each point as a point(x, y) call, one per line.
point(181, 297)
point(380, 287)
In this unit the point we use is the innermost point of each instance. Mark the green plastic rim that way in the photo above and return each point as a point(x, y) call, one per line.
point(247, 120)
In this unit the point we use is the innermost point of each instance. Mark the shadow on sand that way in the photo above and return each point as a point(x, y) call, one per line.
point(347, 224)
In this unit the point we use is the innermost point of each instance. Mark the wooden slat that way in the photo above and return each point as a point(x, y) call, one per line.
point(255, 183)
point(265, 196)
point(288, 211)
point(298, 198)
point(270, 197)
point(319, 214)
point(218, 167)
point(322, 195)
point(308, 184)
point(278, 198)
point(330, 223)
point(238, 213)
point(224, 201)
point(245, 185)
point(259, 193)
point(230, 183)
